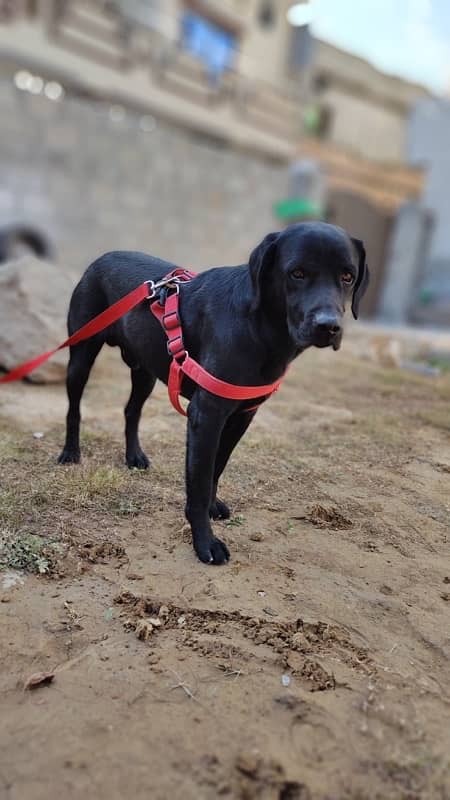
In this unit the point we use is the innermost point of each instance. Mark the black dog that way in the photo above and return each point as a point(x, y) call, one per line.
point(16, 239)
point(243, 324)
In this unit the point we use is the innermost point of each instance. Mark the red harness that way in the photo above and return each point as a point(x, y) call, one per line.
point(168, 316)
point(183, 364)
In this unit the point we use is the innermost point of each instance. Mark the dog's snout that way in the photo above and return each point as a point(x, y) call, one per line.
point(327, 324)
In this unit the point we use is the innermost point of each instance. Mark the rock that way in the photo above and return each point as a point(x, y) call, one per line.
point(248, 763)
point(270, 611)
point(300, 642)
point(39, 679)
point(34, 299)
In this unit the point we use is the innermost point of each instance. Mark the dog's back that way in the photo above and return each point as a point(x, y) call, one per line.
point(109, 278)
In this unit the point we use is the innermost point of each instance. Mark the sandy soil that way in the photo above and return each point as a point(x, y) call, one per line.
point(314, 666)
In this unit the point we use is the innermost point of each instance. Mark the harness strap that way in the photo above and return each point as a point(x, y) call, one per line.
point(182, 363)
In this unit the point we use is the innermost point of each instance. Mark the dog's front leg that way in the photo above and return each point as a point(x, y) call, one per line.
point(206, 419)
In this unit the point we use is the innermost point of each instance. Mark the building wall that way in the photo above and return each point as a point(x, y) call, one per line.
point(369, 109)
point(366, 128)
point(84, 48)
point(385, 186)
point(265, 51)
point(428, 146)
point(94, 185)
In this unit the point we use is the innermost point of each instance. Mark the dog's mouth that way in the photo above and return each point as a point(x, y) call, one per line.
point(327, 340)
point(305, 339)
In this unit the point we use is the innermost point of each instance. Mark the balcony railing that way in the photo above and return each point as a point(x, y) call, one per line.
point(11, 10)
point(99, 31)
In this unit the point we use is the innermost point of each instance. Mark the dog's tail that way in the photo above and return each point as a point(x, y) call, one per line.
point(24, 236)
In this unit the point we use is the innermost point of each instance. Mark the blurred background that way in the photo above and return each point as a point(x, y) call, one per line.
point(191, 128)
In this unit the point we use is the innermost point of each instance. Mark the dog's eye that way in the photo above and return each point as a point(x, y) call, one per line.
point(347, 278)
point(298, 274)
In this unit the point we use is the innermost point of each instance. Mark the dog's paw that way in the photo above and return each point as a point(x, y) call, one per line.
point(69, 457)
point(137, 460)
point(219, 510)
point(213, 551)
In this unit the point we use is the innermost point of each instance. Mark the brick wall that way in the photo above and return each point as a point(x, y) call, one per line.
point(94, 184)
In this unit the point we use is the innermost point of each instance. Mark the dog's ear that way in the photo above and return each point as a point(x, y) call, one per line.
point(362, 280)
point(259, 262)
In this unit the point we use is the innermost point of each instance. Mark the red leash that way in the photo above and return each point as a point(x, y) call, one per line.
point(99, 323)
point(168, 316)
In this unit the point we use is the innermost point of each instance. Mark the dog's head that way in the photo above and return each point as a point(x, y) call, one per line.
point(308, 272)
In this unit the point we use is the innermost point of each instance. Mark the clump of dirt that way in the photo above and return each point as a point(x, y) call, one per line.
point(326, 517)
point(101, 552)
point(320, 680)
point(144, 629)
point(290, 643)
point(265, 779)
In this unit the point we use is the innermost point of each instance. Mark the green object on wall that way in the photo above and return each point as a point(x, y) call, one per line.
point(426, 297)
point(295, 207)
point(311, 119)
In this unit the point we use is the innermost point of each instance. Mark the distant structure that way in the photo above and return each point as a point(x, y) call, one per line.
point(359, 108)
point(192, 127)
point(351, 164)
point(428, 147)
point(223, 68)
point(162, 125)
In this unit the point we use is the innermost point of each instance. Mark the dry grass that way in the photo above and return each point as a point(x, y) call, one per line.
point(342, 435)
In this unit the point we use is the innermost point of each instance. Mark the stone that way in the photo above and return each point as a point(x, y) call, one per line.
point(248, 763)
point(144, 629)
point(34, 300)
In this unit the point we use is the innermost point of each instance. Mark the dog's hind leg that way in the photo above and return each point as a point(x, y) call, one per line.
point(142, 383)
point(82, 357)
point(233, 431)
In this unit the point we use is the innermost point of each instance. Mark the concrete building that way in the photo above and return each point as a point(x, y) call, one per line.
point(169, 126)
point(358, 108)
point(218, 67)
point(428, 148)
point(161, 126)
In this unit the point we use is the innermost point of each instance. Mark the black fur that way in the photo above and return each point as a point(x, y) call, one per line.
point(14, 235)
point(244, 324)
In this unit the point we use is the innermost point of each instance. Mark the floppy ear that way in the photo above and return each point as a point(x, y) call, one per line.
point(259, 262)
point(362, 280)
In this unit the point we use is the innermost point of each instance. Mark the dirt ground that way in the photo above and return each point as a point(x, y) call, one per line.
point(315, 666)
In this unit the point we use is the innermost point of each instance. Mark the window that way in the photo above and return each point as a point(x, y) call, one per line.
point(208, 42)
point(321, 82)
point(267, 14)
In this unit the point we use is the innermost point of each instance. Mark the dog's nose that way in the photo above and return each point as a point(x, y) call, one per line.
point(327, 324)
